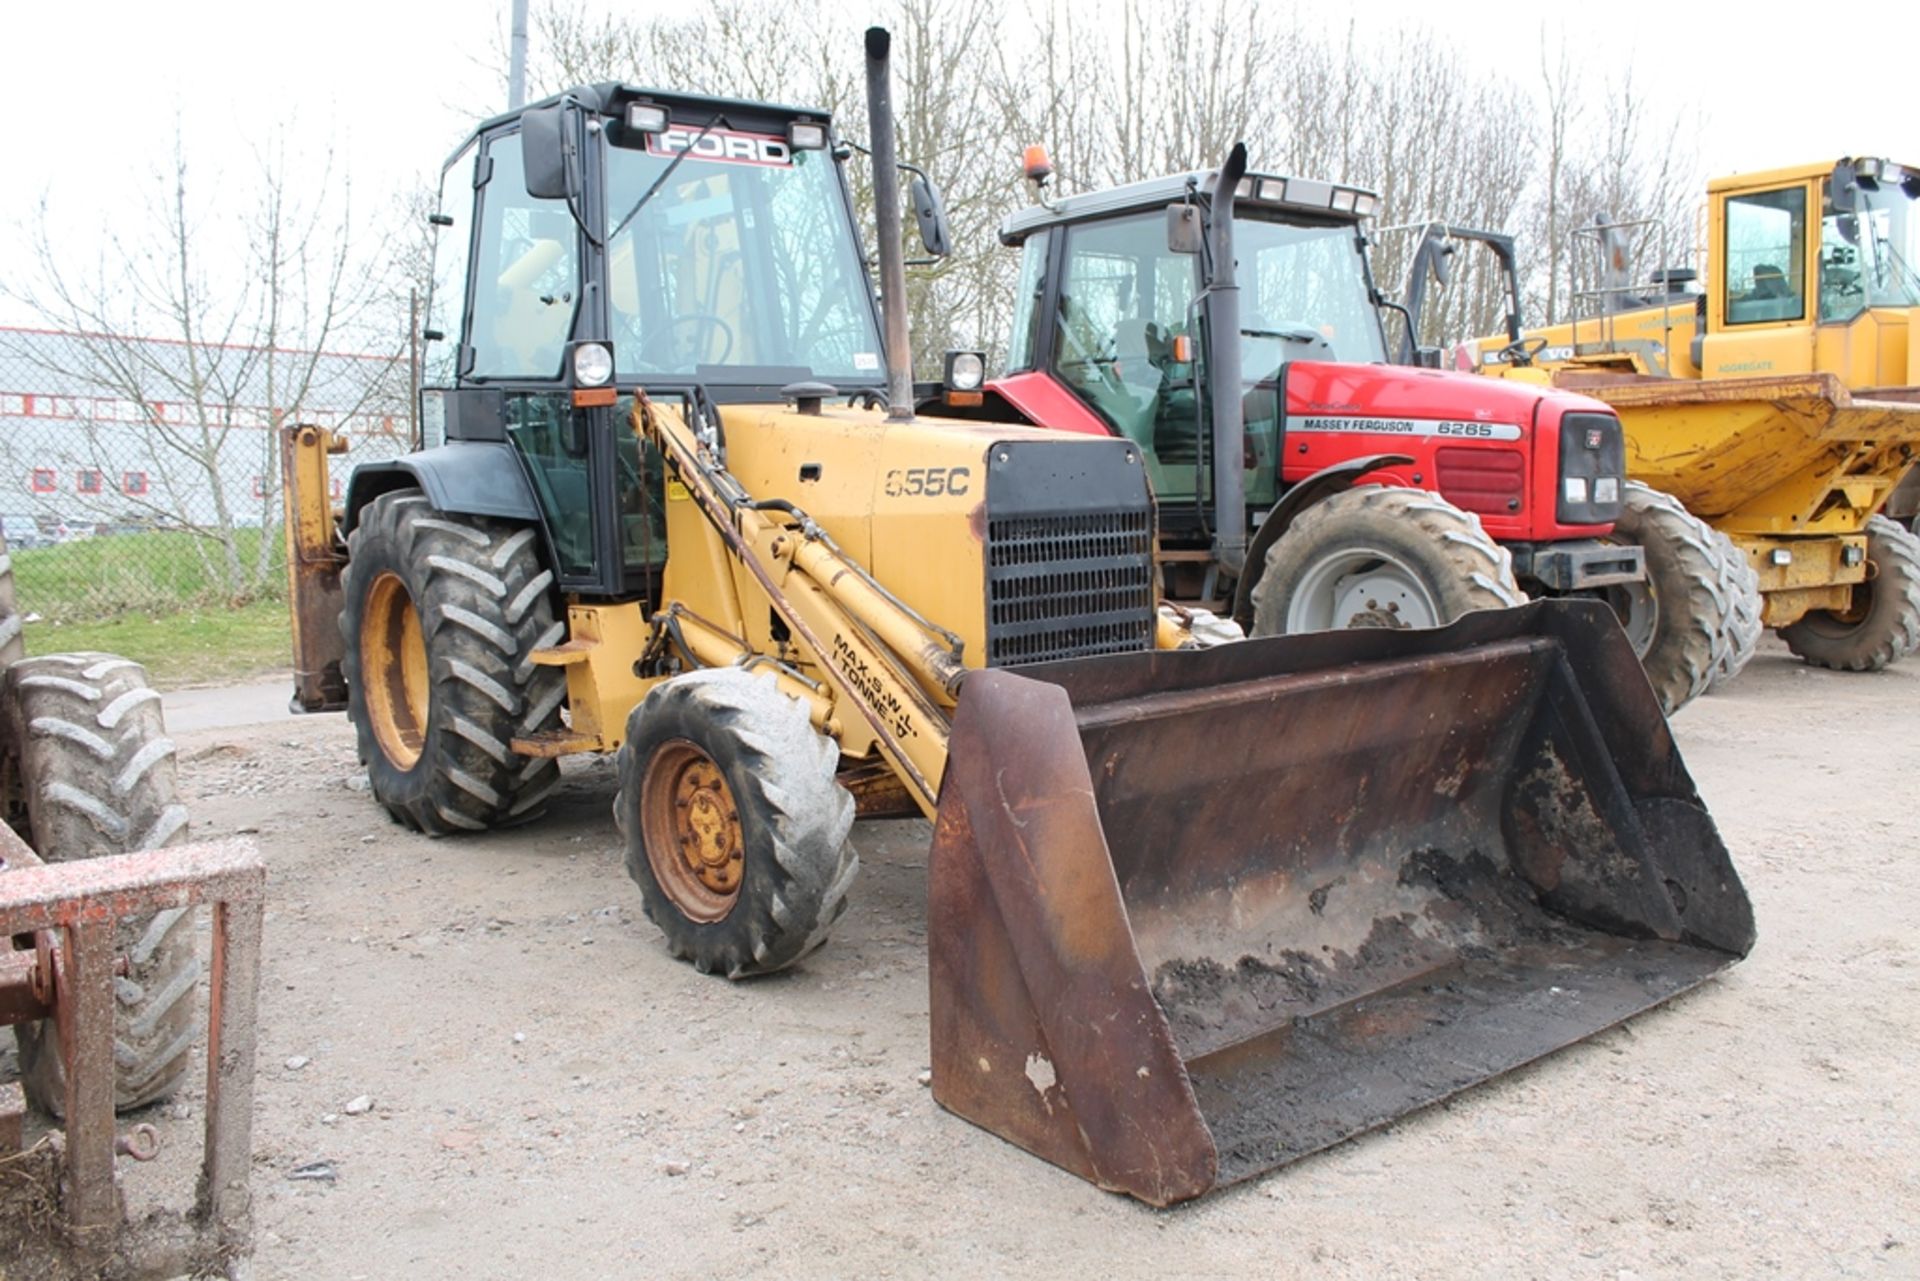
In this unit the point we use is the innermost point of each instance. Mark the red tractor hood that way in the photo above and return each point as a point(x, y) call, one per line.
point(1396, 391)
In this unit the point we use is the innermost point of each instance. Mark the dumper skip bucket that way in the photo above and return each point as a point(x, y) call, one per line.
point(1195, 915)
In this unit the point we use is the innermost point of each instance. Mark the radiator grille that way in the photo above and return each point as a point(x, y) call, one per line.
point(1068, 586)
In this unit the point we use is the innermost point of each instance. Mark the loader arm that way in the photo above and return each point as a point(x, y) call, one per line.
point(896, 670)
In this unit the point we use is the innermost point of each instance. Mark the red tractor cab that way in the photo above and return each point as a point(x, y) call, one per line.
point(1304, 481)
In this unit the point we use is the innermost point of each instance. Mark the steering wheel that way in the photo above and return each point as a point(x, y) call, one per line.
point(703, 323)
point(1521, 352)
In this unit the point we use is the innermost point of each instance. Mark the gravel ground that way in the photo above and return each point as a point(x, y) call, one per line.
point(505, 1075)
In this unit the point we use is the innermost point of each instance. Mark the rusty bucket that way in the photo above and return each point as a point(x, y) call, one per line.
point(1195, 915)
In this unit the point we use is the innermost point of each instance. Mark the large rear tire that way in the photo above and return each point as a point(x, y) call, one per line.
point(1883, 626)
point(442, 616)
point(1678, 618)
point(89, 770)
point(1374, 556)
point(736, 831)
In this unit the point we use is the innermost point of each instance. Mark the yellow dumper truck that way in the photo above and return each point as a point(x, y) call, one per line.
point(1773, 394)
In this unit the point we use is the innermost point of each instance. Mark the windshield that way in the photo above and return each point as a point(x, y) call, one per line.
point(744, 265)
point(1303, 296)
point(1870, 255)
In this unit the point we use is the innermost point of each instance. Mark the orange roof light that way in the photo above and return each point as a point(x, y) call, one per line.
point(1035, 163)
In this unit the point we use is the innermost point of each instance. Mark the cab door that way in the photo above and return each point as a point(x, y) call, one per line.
point(1761, 298)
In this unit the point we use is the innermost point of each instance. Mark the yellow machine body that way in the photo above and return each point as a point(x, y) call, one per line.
point(1787, 421)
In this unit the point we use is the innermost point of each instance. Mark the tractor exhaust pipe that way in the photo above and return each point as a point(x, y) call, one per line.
point(886, 217)
point(1223, 373)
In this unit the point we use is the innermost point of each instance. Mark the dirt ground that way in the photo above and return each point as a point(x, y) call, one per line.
point(552, 1096)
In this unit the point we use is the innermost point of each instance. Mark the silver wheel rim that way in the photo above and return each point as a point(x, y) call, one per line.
point(1639, 612)
point(1361, 587)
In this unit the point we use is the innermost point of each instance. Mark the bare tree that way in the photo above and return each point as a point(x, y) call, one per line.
point(193, 335)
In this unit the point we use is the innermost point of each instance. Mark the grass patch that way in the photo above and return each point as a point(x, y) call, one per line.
point(196, 646)
point(155, 573)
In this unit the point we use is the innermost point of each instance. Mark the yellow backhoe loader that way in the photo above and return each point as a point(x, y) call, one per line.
point(1778, 397)
point(1194, 912)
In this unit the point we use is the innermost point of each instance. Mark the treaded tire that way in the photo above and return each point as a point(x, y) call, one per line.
point(1461, 568)
point(483, 604)
point(793, 820)
point(1889, 628)
point(1678, 619)
point(95, 775)
point(1741, 582)
point(12, 645)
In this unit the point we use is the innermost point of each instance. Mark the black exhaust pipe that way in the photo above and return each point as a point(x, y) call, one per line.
point(886, 217)
point(1223, 374)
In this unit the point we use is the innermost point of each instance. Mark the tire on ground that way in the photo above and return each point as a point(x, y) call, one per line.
point(95, 775)
point(1884, 625)
point(1458, 566)
point(788, 821)
point(481, 604)
point(12, 645)
point(1678, 618)
point(1741, 582)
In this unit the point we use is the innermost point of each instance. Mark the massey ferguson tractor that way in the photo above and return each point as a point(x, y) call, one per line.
point(1376, 495)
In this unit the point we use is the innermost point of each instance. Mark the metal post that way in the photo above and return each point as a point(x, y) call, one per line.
point(233, 995)
point(85, 988)
point(886, 217)
point(517, 68)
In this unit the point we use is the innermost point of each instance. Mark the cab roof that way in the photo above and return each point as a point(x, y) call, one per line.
point(1338, 201)
point(1891, 171)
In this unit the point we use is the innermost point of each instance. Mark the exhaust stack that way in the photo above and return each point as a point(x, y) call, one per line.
point(886, 216)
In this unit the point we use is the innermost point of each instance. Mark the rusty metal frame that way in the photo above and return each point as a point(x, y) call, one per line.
point(73, 909)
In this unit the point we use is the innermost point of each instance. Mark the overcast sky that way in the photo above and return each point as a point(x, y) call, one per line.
point(92, 92)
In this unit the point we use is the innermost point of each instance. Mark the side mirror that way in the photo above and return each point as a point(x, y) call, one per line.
point(1185, 235)
point(1443, 266)
point(543, 153)
point(931, 213)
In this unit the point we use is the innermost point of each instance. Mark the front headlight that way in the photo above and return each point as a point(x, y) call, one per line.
point(592, 364)
point(1606, 489)
point(966, 370)
point(1576, 487)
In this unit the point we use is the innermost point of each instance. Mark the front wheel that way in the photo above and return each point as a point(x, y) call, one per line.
point(1883, 625)
point(736, 831)
point(1678, 618)
point(1374, 556)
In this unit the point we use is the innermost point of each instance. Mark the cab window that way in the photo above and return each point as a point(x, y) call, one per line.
point(526, 275)
point(1124, 297)
point(1764, 269)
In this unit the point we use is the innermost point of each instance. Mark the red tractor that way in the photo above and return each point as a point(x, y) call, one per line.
point(1377, 495)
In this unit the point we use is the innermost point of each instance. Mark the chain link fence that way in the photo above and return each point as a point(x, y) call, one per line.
point(138, 474)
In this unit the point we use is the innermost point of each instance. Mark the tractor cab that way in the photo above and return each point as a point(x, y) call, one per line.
point(1111, 310)
point(1811, 269)
point(1227, 323)
point(700, 248)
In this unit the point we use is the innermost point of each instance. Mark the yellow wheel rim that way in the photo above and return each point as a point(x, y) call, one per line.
point(691, 827)
point(393, 661)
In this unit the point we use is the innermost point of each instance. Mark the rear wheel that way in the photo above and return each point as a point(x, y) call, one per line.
point(1883, 626)
point(736, 831)
point(1379, 557)
point(1678, 618)
point(89, 770)
point(442, 616)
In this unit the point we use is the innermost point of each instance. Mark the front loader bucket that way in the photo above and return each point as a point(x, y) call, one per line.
point(1194, 915)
